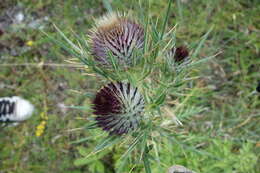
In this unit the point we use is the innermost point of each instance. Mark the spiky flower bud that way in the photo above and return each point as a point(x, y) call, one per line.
point(118, 107)
point(179, 54)
point(116, 35)
point(15, 109)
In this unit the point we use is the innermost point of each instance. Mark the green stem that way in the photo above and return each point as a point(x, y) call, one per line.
point(146, 161)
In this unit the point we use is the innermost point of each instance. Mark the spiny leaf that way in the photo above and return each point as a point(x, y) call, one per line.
point(107, 142)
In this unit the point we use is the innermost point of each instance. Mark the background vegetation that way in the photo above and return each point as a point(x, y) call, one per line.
point(222, 138)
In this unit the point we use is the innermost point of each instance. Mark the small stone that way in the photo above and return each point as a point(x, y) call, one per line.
point(19, 17)
point(179, 169)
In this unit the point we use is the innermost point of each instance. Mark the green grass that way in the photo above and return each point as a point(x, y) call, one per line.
point(223, 137)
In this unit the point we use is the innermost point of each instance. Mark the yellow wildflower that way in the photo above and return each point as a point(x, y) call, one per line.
point(30, 43)
point(41, 127)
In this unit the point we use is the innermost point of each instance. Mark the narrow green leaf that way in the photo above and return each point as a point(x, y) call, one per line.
point(61, 44)
point(113, 60)
point(125, 156)
point(75, 47)
point(90, 126)
point(146, 161)
point(166, 19)
point(201, 43)
point(161, 99)
point(202, 61)
point(87, 160)
point(107, 142)
point(80, 107)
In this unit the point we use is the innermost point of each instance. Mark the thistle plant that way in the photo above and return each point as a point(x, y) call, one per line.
point(140, 72)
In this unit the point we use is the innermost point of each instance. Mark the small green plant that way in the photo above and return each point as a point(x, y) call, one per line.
point(143, 70)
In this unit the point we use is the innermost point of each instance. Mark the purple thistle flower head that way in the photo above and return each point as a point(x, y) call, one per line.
point(118, 107)
point(180, 53)
point(116, 35)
